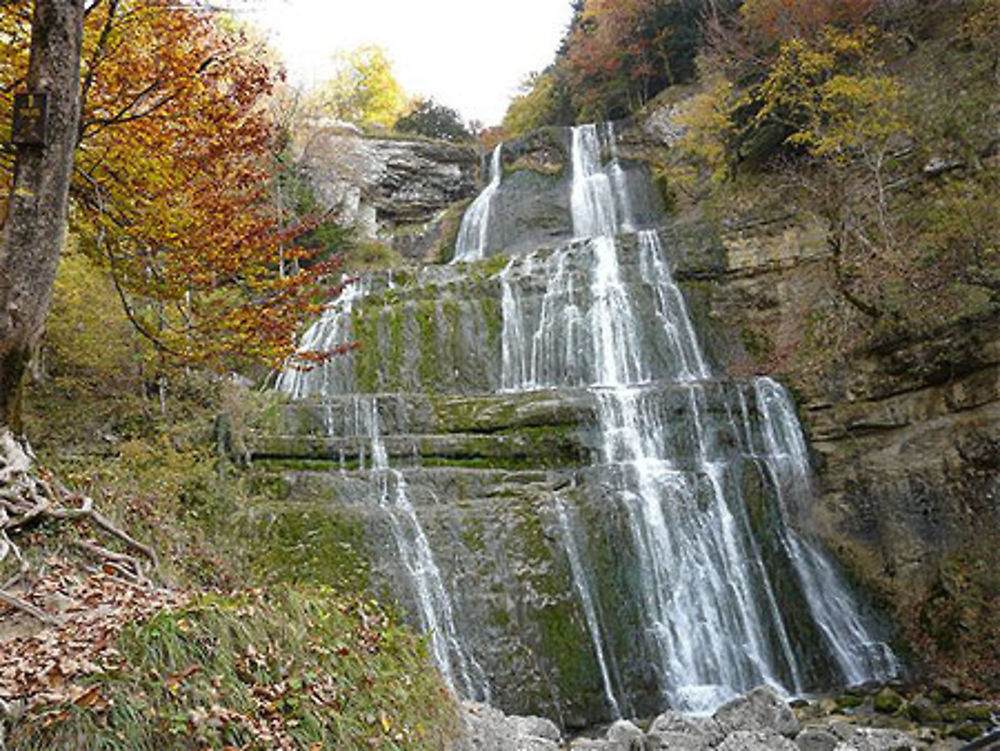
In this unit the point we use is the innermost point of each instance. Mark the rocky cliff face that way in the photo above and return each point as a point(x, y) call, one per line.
point(904, 438)
point(904, 434)
point(390, 188)
point(473, 434)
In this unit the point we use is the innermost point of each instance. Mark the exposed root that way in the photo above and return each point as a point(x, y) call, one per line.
point(28, 498)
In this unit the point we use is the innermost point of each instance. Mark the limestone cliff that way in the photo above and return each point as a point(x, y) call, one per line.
point(395, 189)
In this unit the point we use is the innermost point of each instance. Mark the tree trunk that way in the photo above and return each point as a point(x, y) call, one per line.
point(34, 231)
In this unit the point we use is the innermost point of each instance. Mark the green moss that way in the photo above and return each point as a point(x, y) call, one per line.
point(492, 265)
point(396, 352)
point(428, 368)
point(451, 223)
point(887, 701)
point(493, 315)
point(277, 667)
point(364, 328)
point(299, 464)
point(317, 544)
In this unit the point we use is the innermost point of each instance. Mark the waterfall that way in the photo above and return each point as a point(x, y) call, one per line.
point(472, 234)
point(336, 375)
point(706, 478)
point(583, 588)
point(710, 612)
point(859, 657)
point(461, 672)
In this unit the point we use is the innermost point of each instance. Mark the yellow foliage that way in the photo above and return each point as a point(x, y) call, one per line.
point(533, 108)
point(87, 329)
point(831, 94)
point(364, 90)
point(708, 125)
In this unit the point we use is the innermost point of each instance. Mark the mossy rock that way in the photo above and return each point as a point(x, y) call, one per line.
point(887, 701)
point(849, 701)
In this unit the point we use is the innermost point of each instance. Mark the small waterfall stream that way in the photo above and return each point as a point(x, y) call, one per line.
point(461, 672)
point(675, 447)
point(475, 223)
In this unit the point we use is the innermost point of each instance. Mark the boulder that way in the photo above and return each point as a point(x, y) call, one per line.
point(761, 709)
point(625, 736)
point(488, 729)
point(675, 731)
point(756, 740)
point(816, 739)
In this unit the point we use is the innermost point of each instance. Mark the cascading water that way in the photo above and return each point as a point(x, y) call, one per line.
point(709, 608)
point(472, 233)
point(710, 575)
point(335, 375)
point(460, 671)
point(859, 657)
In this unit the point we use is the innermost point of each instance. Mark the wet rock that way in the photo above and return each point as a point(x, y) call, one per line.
point(756, 740)
point(887, 701)
point(762, 709)
point(625, 736)
point(921, 709)
point(815, 739)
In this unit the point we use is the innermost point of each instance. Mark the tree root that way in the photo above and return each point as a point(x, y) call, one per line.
point(28, 498)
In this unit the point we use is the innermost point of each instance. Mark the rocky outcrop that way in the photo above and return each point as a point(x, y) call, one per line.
point(759, 721)
point(531, 207)
point(485, 728)
point(389, 187)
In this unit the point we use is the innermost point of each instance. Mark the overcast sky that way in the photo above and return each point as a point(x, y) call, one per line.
point(466, 54)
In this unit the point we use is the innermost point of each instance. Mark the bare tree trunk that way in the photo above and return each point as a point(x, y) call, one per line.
point(34, 231)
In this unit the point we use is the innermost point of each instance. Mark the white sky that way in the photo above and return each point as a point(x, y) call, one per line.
point(466, 54)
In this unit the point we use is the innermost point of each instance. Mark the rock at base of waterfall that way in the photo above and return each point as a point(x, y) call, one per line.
point(625, 736)
point(816, 739)
point(756, 740)
point(872, 739)
point(486, 728)
point(761, 709)
point(673, 730)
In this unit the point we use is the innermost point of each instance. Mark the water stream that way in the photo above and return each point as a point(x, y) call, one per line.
point(472, 233)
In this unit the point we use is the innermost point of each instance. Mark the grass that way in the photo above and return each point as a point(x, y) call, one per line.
point(277, 668)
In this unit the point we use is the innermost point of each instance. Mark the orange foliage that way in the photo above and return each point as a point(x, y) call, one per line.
point(612, 48)
point(171, 180)
point(775, 20)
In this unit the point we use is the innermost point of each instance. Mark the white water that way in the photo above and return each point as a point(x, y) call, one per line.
point(333, 328)
point(473, 232)
point(711, 614)
point(461, 672)
point(583, 588)
point(859, 657)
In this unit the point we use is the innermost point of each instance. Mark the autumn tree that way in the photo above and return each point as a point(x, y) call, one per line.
point(543, 99)
point(171, 183)
point(364, 89)
point(35, 222)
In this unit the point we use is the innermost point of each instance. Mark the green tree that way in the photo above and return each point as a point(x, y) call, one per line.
point(428, 118)
point(364, 90)
point(544, 100)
